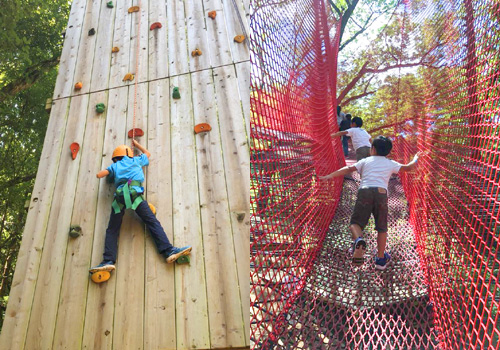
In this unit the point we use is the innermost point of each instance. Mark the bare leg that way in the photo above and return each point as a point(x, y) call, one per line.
point(381, 243)
point(356, 231)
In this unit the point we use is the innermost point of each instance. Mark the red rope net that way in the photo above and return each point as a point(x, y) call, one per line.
point(441, 289)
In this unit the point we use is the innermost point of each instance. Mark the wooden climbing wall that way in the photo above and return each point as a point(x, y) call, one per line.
point(198, 183)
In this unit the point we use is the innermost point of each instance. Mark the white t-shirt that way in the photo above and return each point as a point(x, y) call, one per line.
point(376, 171)
point(360, 137)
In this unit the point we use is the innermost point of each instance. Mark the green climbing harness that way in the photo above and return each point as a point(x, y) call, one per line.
point(127, 196)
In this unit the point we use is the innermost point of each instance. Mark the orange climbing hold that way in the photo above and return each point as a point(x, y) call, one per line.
point(196, 52)
point(128, 76)
point(212, 14)
point(78, 85)
point(115, 49)
point(133, 9)
point(239, 38)
point(202, 128)
point(138, 133)
point(156, 25)
point(100, 276)
point(74, 147)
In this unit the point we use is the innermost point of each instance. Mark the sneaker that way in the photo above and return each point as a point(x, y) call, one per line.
point(176, 253)
point(381, 263)
point(104, 266)
point(359, 249)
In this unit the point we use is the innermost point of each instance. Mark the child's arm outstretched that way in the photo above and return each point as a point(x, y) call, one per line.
point(339, 133)
point(141, 148)
point(411, 165)
point(341, 172)
point(102, 173)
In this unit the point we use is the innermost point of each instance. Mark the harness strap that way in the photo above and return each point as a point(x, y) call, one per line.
point(130, 196)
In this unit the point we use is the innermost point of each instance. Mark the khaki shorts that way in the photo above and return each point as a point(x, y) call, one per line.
point(362, 152)
point(371, 200)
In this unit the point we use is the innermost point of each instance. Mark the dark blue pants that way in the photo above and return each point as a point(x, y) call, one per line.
point(152, 223)
point(345, 145)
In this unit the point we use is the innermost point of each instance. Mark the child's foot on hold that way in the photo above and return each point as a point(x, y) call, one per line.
point(359, 247)
point(104, 266)
point(176, 253)
point(381, 263)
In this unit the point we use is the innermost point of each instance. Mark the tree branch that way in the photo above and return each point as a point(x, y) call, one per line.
point(358, 33)
point(18, 180)
point(353, 98)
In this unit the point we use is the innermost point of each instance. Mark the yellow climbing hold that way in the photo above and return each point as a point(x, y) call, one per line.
point(196, 52)
point(239, 38)
point(128, 76)
point(133, 9)
point(115, 49)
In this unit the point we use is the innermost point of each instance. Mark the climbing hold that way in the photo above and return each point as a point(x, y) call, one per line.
point(100, 276)
point(212, 14)
point(100, 107)
point(239, 38)
point(138, 132)
point(92, 31)
point(202, 128)
point(155, 26)
point(78, 85)
point(152, 207)
point(196, 52)
point(184, 259)
point(74, 147)
point(115, 49)
point(240, 217)
point(110, 4)
point(128, 76)
point(133, 9)
point(176, 94)
point(75, 231)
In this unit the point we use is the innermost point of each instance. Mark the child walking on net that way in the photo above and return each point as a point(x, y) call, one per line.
point(375, 172)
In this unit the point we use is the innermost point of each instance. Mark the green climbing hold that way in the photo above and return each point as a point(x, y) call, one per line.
point(92, 31)
point(184, 259)
point(110, 4)
point(176, 94)
point(100, 107)
point(75, 231)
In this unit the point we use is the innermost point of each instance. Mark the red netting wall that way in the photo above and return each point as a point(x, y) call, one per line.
point(441, 289)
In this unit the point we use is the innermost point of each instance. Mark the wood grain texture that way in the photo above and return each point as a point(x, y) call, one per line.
point(217, 35)
point(158, 46)
point(178, 56)
point(120, 61)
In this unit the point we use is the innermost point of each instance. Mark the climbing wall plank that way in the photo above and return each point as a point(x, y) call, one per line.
point(240, 51)
point(158, 49)
point(98, 329)
point(104, 44)
point(217, 36)
point(191, 300)
point(18, 311)
point(73, 298)
point(243, 73)
point(46, 298)
point(177, 45)
point(86, 49)
point(237, 167)
point(197, 35)
point(121, 39)
point(129, 316)
point(224, 303)
point(159, 317)
point(139, 51)
point(67, 64)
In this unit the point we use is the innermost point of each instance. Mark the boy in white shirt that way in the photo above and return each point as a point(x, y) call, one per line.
point(375, 173)
point(361, 139)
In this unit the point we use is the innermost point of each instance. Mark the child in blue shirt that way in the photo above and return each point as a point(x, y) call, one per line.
point(126, 171)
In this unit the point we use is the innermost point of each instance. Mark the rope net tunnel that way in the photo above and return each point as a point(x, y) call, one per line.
point(440, 290)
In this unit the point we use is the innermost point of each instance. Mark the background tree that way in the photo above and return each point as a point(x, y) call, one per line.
point(31, 44)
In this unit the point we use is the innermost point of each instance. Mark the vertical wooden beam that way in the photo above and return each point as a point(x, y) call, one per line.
point(142, 55)
point(18, 311)
point(197, 35)
point(46, 299)
point(219, 48)
point(177, 40)
point(191, 298)
point(158, 48)
point(121, 39)
point(240, 51)
point(243, 74)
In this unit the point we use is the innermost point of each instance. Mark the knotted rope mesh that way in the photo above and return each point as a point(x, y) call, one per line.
point(441, 288)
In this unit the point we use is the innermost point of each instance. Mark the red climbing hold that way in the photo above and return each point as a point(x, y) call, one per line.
point(202, 128)
point(155, 26)
point(74, 147)
point(138, 132)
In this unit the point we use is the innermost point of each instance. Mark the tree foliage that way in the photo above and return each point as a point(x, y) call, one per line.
point(31, 44)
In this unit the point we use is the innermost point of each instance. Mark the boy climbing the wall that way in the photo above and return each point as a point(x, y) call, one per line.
point(361, 139)
point(126, 172)
point(375, 172)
